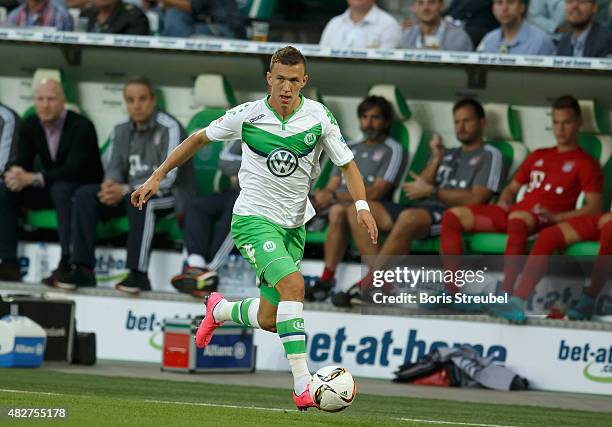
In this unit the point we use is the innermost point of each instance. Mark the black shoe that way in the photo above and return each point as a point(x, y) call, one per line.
point(62, 269)
point(10, 272)
point(198, 282)
point(134, 283)
point(348, 298)
point(76, 277)
point(319, 290)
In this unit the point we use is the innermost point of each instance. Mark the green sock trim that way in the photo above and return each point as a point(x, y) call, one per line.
point(236, 313)
point(290, 326)
point(295, 347)
point(244, 311)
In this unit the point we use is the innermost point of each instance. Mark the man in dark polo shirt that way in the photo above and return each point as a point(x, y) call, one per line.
point(115, 17)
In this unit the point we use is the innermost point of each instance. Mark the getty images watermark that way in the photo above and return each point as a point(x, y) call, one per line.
point(432, 286)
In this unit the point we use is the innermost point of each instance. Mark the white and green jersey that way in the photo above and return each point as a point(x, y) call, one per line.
point(280, 158)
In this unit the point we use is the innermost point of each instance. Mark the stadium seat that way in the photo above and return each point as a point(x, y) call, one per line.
point(503, 132)
point(214, 93)
point(258, 9)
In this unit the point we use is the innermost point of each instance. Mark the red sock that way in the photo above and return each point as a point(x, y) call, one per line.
point(451, 242)
point(602, 269)
point(549, 240)
point(328, 274)
point(518, 233)
point(366, 280)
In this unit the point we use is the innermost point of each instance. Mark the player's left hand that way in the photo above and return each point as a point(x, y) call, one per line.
point(545, 215)
point(366, 220)
point(145, 191)
point(417, 189)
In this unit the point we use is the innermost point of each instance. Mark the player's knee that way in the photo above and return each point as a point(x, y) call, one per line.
point(337, 213)
point(291, 287)
point(267, 322)
point(462, 213)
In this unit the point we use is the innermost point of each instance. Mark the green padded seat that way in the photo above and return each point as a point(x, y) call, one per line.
point(583, 249)
point(258, 9)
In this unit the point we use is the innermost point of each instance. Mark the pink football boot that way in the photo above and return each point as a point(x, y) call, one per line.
point(208, 325)
point(304, 401)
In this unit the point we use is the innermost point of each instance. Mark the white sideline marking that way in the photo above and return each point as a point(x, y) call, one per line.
point(6, 390)
point(449, 422)
point(259, 408)
point(219, 405)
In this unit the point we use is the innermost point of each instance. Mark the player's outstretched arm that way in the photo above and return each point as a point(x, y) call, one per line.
point(179, 155)
point(354, 182)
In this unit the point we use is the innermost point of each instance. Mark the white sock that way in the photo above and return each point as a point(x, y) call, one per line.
point(223, 310)
point(293, 311)
point(253, 310)
point(301, 374)
point(197, 261)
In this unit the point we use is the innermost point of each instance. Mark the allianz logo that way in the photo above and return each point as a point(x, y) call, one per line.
point(237, 351)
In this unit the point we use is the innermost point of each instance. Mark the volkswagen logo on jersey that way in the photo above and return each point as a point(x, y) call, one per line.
point(282, 162)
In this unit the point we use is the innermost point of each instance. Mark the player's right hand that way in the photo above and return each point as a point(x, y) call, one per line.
point(145, 192)
point(366, 220)
point(436, 146)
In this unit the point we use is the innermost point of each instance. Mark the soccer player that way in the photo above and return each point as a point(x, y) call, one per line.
point(557, 238)
point(555, 177)
point(283, 136)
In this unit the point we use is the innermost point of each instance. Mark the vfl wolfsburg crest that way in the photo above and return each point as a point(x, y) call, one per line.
point(310, 138)
point(282, 162)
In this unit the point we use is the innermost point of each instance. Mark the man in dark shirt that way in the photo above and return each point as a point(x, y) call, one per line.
point(66, 147)
point(218, 18)
point(115, 17)
point(588, 37)
point(477, 15)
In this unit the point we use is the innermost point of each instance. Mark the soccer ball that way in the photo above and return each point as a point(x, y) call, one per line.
point(333, 388)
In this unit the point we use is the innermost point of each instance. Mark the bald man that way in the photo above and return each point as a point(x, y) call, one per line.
point(57, 152)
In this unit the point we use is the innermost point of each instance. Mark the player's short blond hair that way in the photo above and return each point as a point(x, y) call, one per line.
point(287, 55)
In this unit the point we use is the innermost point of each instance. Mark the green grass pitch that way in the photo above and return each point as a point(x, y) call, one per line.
point(93, 400)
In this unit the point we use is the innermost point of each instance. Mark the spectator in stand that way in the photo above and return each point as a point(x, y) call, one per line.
point(206, 245)
point(434, 32)
point(515, 35)
point(382, 161)
point(549, 15)
point(115, 17)
point(476, 15)
point(139, 145)
point(66, 146)
point(41, 13)
point(217, 18)
point(587, 37)
point(362, 26)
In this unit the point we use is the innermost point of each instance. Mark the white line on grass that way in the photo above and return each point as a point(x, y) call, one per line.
point(455, 423)
point(218, 405)
point(5, 390)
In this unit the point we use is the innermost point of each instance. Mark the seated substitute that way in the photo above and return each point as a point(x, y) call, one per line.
point(555, 177)
point(558, 237)
point(471, 173)
point(115, 17)
point(139, 145)
point(381, 161)
point(432, 31)
point(207, 227)
point(587, 38)
point(57, 153)
point(515, 35)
